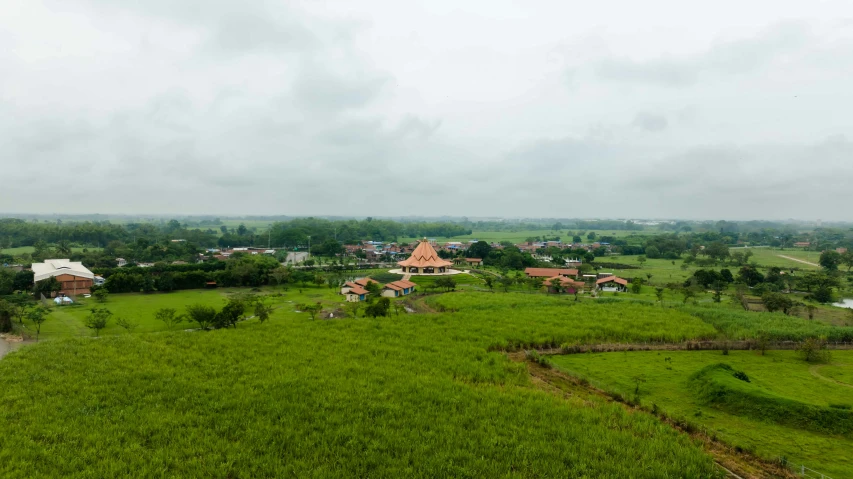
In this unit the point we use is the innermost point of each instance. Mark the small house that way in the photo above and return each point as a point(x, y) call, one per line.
point(612, 284)
point(356, 294)
point(398, 288)
point(550, 272)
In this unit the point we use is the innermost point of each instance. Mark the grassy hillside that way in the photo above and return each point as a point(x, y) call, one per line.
point(411, 396)
point(764, 423)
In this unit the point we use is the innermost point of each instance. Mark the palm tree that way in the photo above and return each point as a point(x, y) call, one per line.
point(63, 248)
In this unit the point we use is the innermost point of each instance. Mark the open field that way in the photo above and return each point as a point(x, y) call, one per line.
point(780, 377)
point(522, 235)
point(29, 250)
point(768, 257)
point(411, 396)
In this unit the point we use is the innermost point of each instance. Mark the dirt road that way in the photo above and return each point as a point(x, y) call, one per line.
point(798, 260)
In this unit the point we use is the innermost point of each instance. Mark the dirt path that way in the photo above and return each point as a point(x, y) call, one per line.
point(815, 373)
point(798, 260)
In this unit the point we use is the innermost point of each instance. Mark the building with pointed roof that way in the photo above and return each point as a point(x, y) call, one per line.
point(424, 260)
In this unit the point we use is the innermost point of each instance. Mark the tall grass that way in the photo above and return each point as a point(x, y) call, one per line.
point(777, 326)
point(414, 396)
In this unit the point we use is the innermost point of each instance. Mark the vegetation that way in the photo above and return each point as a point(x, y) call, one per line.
point(415, 397)
point(789, 408)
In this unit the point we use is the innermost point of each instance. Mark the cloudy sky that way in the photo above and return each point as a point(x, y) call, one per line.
point(660, 108)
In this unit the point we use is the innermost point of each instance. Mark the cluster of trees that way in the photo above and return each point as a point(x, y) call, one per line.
point(295, 233)
point(510, 257)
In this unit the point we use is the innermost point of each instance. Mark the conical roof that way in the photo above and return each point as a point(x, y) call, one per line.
point(424, 256)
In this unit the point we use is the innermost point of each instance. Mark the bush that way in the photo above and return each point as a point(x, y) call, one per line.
point(813, 350)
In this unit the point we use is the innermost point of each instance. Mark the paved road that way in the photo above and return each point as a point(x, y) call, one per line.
point(798, 260)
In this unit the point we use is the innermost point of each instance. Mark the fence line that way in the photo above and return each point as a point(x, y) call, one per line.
point(685, 346)
point(811, 473)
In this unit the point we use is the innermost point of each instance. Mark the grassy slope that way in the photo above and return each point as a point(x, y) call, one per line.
point(667, 385)
point(414, 396)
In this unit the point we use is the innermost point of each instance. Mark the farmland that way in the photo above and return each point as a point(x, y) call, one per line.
point(414, 395)
point(422, 394)
point(779, 377)
point(522, 235)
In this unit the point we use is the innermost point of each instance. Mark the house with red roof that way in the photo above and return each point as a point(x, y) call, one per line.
point(612, 284)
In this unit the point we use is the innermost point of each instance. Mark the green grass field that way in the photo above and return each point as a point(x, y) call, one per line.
point(522, 235)
point(780, 375)
point(415, 395)
point(768, 257)
point(29, 250)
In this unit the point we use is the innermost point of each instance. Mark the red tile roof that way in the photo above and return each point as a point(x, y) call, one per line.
point(358, 290)
point(613, 279)
point(365, 281)
point(424, 256)
point(549, 272)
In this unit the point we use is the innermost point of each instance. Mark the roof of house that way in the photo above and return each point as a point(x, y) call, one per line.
point(565, 281)
point(424, 256)
point(474, 260)
point(56, 267)
point(613, 279)
point(363, 282)
point(401, 284)
point(358, 290)
point(549, 272)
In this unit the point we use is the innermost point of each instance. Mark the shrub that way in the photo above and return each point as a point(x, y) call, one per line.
point(813, 350)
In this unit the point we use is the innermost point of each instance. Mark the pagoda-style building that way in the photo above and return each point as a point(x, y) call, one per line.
point(424, 260)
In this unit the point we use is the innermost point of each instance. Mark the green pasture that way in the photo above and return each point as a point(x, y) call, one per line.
point(662, 380)
point(19, 250)
point(767, 257)
point(415, 395)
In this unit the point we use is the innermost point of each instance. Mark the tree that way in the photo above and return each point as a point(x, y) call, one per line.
point(230, 315)
point(813, 350)
point(63, 248)
point(490, 282)
point(811, 309)
point(311, 309)
point(653, 252)
point(378, 308)
point(480, 249)
point(100, 295)
point(38, 316)
point(719, 287)
point(201, 314)
point(659, 294)
point(750, 276)
point(688, 293)
point(446, 282)
point(717, 250)
point(505, 282)
point(263, 311)
point(169, 316)
point(823, 294)
point(591, 235)
point(127, 324)
point(282, 276)
point(47, 287)
point(641, 259)
point(636, 285)
point(847, 260)
point(373, 288)
point(98, 319)
point(777, 302)
point(19, 304)
point(830, 260)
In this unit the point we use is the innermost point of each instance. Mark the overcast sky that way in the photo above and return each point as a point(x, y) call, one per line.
point(726, 109)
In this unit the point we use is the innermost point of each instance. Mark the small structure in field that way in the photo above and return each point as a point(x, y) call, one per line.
point(72, 275)
point(566, 285)
point(612, 284)
point(356, 294)
point(398, 288)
